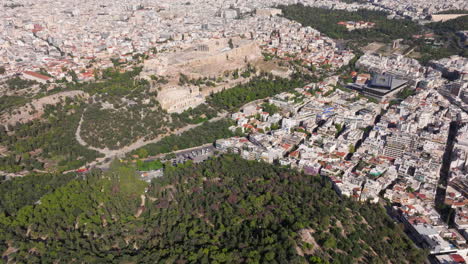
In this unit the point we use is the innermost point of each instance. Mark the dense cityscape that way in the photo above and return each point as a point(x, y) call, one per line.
point(296, 131)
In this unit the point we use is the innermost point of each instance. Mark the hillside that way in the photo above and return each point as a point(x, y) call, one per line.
point(47, 142)
point(225, 210)
point(76, 124)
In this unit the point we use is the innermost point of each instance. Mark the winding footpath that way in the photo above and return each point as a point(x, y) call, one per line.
point(109, 154)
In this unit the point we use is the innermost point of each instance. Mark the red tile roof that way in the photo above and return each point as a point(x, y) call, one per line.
point(341, 154)
point(37, 75)
point(457, 258)
point(294, 154)
point(286, 146)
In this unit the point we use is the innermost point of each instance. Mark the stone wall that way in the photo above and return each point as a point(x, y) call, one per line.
point(216, 64)
point(176, 99)
point(207, 63)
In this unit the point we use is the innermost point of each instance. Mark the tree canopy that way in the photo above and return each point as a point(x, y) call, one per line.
point(225, 210)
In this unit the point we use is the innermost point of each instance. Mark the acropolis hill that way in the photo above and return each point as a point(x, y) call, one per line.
point(204, 59)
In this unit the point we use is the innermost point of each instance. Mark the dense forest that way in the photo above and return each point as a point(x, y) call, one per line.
point(226, 210)
point(206, 133)
point(46, 141)
point(442, 44)
point(258, 88)
point(115, 128)
point(64, 224)
point(112, 82)
point(326, 21)
point(195, 115)
point(448, 41)
point(22, 191)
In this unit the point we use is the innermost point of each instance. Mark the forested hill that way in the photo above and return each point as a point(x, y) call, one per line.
point(445, 40)
point(226, 210)
point(326, 21)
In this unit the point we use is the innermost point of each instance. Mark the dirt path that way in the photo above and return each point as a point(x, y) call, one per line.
point(82, 142)
point(142, 206)
point(306, 236)
point(109, 154)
